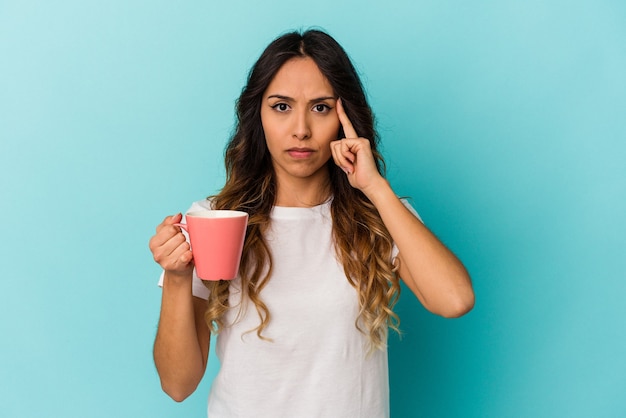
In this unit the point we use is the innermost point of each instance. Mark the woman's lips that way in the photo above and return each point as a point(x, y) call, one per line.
point(300, 153)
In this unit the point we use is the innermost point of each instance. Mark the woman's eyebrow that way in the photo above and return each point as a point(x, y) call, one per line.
point(281, 97)
point(290, 99)
point(320, 99)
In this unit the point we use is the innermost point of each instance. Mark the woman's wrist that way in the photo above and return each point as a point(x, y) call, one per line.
point(378, 191)
point(177, 278)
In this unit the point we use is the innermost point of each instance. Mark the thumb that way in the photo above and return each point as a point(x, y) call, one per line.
point(174, 219)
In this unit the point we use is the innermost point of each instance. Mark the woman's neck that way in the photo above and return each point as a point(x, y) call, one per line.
point(302, 192)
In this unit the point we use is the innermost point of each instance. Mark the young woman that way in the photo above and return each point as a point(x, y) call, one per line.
point(302, 331)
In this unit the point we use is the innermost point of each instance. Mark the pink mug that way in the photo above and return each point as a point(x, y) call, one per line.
point(216, 238)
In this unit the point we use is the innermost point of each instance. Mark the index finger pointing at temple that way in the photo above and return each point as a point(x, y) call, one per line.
point(348, 129)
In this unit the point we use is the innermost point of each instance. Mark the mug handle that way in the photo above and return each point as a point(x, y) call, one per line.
point(184, 226)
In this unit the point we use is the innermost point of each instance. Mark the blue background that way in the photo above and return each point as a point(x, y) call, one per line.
point(504, 120)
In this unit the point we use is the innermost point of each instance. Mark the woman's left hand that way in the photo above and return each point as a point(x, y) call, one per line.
point(353, 155)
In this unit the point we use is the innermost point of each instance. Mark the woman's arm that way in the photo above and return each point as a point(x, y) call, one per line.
point(428, 268)
point(182, 342)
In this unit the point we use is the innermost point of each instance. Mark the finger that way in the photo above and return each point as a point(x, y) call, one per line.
point(181, 256)
point(170, 220)
point(349, 149)
point(348, 129)
point(171, 250)
point(164, 234)
point(334, 150)
point(178, 261)
point(339, 158)
point(176, 241)
point(166, 239)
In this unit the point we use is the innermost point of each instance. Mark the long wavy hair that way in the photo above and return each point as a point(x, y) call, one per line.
point(362, 243)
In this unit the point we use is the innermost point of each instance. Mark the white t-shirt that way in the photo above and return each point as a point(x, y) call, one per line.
point(317, 363)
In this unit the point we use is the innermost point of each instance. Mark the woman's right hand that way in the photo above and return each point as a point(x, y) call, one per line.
point(170, 249)
point(182, 342)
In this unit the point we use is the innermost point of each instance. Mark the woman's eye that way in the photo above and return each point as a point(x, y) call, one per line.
point(281, 107)
point(321, 108)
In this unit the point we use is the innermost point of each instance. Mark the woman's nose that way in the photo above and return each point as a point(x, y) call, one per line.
point(301, 128)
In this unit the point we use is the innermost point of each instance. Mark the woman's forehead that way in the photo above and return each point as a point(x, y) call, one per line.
point(299, 77)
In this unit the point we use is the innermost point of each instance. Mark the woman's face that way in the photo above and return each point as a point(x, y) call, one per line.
point(299, 120)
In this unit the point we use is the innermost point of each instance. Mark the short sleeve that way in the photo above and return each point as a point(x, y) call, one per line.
point(405, 202)
point(198, 289)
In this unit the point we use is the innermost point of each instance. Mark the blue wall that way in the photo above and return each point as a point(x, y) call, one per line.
point(504, 120)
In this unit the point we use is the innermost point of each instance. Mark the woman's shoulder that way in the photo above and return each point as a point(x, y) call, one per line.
point(204, 204)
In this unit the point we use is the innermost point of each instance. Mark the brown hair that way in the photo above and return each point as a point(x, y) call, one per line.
point(363, 244)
